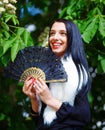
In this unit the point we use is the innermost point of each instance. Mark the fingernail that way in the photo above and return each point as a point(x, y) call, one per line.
point(33, 79)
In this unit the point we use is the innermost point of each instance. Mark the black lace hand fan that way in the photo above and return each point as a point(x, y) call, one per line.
point(37, 62)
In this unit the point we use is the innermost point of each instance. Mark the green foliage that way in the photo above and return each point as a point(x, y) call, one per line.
point(90, 18)
point(14, 111)
point(90, 30)
point(12, 37)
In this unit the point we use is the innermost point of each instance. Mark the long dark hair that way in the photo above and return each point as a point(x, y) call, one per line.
point(76, 49)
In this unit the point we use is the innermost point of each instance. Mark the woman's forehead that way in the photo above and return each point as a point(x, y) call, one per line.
point(58, 25)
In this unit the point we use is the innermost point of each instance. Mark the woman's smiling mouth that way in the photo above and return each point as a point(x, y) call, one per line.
point(56, 45)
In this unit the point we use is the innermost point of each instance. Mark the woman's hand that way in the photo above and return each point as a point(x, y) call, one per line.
point(42, 90)
point(45, 95)
point(28, 88)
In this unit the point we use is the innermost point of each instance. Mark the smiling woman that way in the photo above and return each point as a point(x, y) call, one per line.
point(58, 38)
point(64, 105)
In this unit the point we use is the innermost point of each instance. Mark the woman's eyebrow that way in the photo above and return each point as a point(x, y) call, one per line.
point(59, 30)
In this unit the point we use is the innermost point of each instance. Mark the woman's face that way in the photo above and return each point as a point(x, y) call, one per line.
point(58, 38)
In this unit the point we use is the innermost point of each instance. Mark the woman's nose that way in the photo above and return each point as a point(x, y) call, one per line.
point(56, 36)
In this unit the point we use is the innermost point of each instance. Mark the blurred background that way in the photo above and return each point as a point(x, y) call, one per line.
point(26, 23)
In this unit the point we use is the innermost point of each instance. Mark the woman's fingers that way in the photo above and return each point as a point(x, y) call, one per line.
point(42, 90)
point(33, 86)
point(40, 86)
point(28, 86)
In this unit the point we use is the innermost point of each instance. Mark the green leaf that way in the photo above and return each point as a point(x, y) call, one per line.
point(7, 17)
point(30, 41)
point(2, 116)
point(102, 26)
point(6, 34)
point(19, 31)
point(12, 17)
point(101, 57)
point(4, 59)
point(62, 12)
point(71, 8)
point(5, 26)
point(90, 97)
point(104, 42)
point(1, 51)
point(83, 24)
point(8, 44)
point(24, 37)
point(27, 38)
point(14, 50)
point(103, 64)
point(90, 30)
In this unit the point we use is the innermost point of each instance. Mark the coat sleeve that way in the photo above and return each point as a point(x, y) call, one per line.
point(80, 112)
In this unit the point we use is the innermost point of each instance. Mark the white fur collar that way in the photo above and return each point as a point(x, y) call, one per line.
point(64, 92)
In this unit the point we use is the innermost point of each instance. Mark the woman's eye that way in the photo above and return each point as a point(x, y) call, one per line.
point(52, 33)
point(63, 33)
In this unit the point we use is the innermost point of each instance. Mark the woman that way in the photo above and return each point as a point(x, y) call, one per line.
point(64, 105)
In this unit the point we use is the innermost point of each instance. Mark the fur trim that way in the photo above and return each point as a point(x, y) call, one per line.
point(49, 115)
point(65, 92)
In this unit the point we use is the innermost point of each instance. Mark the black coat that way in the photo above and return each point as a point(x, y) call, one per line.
point(68, 117)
